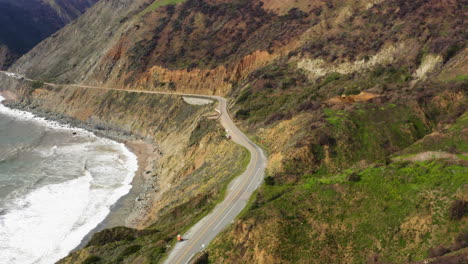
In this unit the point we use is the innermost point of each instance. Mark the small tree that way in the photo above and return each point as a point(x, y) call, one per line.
point(37, 84)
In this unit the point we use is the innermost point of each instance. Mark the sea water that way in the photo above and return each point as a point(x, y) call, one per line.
point(57, 183)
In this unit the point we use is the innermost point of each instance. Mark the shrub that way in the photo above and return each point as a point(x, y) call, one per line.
point(37, 84)
point(330, 78)
point(288, 82)
point(438, 251)
point(268, 85)
point(202, 259)
point(293, 14)
point(451, 52)
point(459, 209)
point(277, 117)
point(352, 91)
point(243, 114)
point(112, 235)
point(308, 106)
point(244, 96)
point(130, 250)
point(172, 86)
point(202, 129)
point(462, 240)
point(157, 253)
point(354, 177)
point(269, 180)
point(91, 259)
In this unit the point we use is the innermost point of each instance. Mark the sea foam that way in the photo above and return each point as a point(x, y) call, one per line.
point(44, 225)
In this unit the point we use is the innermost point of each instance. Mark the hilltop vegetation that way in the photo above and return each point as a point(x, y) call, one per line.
point(375, 211)
point(360, 105)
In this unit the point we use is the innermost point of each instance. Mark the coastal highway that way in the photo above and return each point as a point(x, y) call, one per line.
point(239, 192)
point(237, 195)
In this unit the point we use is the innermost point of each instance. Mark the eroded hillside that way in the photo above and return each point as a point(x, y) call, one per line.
point(188, 163)
point(361, 106)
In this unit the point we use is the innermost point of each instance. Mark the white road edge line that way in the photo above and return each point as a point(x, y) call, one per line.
point(235, 204)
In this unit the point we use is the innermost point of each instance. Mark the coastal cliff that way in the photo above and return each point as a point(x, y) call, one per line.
point(360, 105)
point(187, 161)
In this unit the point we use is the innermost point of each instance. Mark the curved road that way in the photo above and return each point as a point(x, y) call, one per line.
point(239, 190)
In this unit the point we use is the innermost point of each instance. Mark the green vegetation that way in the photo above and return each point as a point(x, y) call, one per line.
point(360, 134)
point(266, 99)
point(456, 140)
point(91, 260)
point(333, 193)
point(128, 251)
point(37, 85)
point(159, 3)
point(337, 196)
point(32, 87)
point(461, 78)
point(394, 205)
point(198, 208)
point(203, 128)
point(334, 76)
point(451, 51)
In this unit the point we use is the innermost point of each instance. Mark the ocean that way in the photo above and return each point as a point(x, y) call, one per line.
point(57, 183)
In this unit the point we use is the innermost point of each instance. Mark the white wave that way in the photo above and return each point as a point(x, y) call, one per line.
point(27, 116)
point(44, 225)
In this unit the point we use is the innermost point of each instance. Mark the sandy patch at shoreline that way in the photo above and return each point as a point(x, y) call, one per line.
point(127, 211)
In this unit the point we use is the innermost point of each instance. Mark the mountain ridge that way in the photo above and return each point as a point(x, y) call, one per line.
point(26, 23)
point(343, 95)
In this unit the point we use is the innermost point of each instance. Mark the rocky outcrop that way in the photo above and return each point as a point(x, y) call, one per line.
point(217, 81)
point(328, 87)
point(318, 67)
point(181, 160)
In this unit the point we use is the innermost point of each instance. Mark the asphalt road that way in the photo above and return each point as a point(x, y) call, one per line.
point(237, 195)
point(239, 192)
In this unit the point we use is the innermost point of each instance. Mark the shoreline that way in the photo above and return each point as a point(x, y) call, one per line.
point(124, 210)
point(127, 209)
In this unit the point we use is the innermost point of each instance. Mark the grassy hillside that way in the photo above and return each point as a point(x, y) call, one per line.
point(360, 105)
point(366, 167)
point(395, 213)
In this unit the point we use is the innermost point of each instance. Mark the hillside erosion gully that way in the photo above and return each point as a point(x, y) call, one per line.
point(239, 190)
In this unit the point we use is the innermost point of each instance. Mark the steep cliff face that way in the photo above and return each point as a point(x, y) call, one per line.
point(338, 92)
point(190, 161)
point(340, 187)
point(209, 46)
point(141, 43)
point(358, 145)
point(25, 23)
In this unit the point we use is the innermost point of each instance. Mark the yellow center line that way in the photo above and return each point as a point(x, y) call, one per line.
point(215, 218)
point(212, 222)
point(250, 169)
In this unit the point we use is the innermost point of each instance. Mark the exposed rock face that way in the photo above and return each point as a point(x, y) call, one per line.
point(205, 81)
point(319, 67)
point(207, 46)
point(24, 23)
point(190, 159)
point(328, 87)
